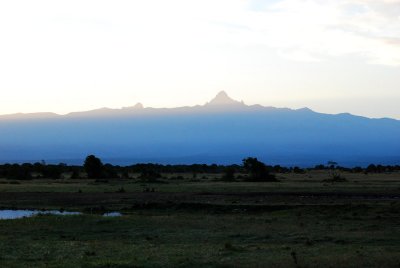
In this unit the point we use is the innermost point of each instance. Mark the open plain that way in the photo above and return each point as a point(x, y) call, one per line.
point(302, 220)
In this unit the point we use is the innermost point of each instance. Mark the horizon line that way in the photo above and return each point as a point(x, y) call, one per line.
point(139, 106)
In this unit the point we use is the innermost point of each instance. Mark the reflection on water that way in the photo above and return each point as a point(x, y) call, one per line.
point(17, 214)
point(9, 214)
point(112, 214)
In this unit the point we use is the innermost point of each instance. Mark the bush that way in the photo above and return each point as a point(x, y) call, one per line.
point(257, 170)
point(229, 174)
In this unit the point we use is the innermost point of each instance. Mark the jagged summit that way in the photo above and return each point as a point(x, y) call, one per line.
point(222, 98)
point(136, 106)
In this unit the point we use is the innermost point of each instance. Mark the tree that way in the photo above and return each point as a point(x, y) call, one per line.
point(334, 173)
point(93, 167)
point(258, 170)
point(332, 164)
point(19, 172)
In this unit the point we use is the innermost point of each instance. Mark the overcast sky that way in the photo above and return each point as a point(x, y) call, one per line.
point(332, 56)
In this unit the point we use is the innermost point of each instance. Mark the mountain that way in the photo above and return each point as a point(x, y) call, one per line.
point(222, 99)
point(221, 131)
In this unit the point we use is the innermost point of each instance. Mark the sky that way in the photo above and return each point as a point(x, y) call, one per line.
point(332, 56)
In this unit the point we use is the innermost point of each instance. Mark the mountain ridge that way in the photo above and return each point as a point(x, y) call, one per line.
point(223, 133)
point(222, 102)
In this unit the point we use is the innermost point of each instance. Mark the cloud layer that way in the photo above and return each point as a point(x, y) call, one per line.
point(314, 30)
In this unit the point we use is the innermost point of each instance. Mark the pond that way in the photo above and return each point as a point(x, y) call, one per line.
point(9, 214)
point(112, 214)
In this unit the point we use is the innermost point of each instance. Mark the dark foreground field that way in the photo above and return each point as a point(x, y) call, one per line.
point(300, 221)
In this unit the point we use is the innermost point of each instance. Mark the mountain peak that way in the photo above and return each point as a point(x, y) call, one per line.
point(222, 98)
point(136, 106)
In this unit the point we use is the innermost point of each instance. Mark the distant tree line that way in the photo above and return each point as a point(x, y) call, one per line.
point(372, 168)
point(251, 169)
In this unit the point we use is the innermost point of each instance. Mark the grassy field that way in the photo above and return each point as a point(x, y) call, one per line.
point(300, 221)
point(315, 181)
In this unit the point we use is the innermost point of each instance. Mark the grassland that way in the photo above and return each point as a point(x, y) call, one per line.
point(302, 220)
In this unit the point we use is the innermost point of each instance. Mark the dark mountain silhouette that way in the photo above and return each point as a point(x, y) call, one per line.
point(221, 131)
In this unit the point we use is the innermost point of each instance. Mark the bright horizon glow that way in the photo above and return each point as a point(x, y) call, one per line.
point(331, 56)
